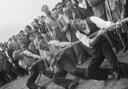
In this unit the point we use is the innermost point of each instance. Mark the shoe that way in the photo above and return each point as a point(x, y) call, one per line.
point(73, 85)
point(113, 76)
point(125, 49)
point(116, 50)
point(43, 87)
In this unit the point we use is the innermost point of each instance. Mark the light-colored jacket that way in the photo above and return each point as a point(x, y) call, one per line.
point(29, 59)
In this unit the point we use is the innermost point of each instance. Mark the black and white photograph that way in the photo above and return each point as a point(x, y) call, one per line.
point(64, 44)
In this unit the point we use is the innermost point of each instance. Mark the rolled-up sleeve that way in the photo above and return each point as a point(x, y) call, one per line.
point(58, 43)
point(83, 38)
point(53, 42)
point(100, 22)
point(28, 53)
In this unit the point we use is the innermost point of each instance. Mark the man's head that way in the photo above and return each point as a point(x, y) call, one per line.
point(44, 45)
point(35, 23)
point(36, 33)
point(68, 13)
point(22, 33)
point(28, 29)
point(46, 10)
point(69, 4)
point(54, 14)
point(80, 25)
point(41, 19)
point(18, 36)
point(31, 37)
point(17, 55)
point(59, 8)
point(14, 38)
point(10, 40)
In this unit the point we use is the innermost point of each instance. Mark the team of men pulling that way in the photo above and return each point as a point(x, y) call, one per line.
point(61, 55)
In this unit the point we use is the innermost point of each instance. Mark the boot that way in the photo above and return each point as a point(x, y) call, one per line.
point(80, 73)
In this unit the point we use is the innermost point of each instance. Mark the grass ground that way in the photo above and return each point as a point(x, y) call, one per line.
point(84, 84)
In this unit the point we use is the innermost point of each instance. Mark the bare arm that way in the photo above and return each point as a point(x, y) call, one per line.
point(86, 40)
point(58, 43)
point(63, 26)
point(49, 28)
point(100, 22)
point(28, 53)
point(94, 39)
point(60, 24)
point(9, 59)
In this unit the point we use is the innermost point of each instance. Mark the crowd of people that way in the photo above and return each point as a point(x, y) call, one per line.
point(34, 50)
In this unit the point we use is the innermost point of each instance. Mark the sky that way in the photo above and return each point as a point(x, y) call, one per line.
point(16, 14)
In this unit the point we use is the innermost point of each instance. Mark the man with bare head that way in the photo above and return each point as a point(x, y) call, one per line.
point(52, 24)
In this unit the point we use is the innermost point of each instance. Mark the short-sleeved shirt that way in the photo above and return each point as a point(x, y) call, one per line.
point(100, 23)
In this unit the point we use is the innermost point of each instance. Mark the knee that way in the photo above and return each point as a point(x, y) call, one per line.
point(28, 85)
point(56, 80)
point(69, 68)
point(31, 86)
point(49, 74)
point(62, 82)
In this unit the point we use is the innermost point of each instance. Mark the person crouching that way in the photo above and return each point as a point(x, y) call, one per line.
point(33, 63)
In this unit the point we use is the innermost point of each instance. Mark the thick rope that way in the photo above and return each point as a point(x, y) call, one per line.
point(112, 27)
point(92, 35)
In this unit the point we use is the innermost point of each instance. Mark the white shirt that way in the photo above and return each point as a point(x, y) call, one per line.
point(100, 23)
point(28, 53)
point(28, 59)
point(51, 22)
point(83, 38)
point(54, 47)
